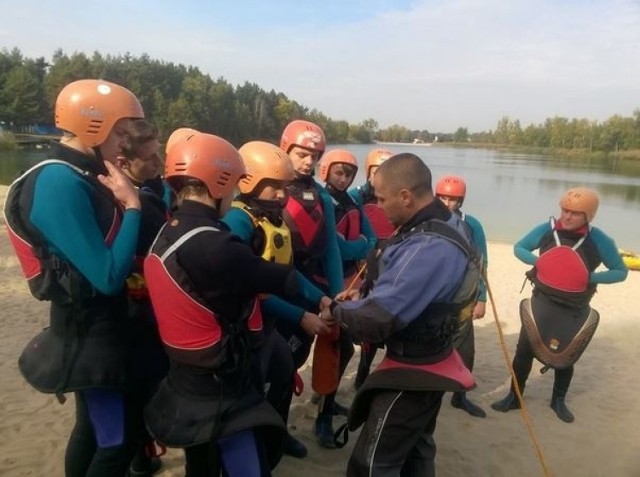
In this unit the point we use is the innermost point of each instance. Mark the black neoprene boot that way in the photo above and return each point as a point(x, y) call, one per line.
point(560, 408)
point(459, 400)
point(507, 403)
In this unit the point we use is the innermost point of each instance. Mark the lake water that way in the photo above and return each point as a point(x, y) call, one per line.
point(509, 193)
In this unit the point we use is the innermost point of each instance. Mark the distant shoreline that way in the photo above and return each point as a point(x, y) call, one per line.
point(424, 144)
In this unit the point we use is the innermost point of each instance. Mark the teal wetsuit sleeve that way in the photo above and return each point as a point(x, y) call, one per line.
point(62, 210)
point(240, 224)
point(353, 249)
point(332, 261)
point(531, 241)
point(480, 243)
point(611, 259)
point(356, 195)
point(281, 309)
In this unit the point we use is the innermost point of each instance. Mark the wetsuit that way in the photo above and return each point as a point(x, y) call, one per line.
point(150, 363)
point(596, 248)
point(465, 342)
point(247, 220)
point(309, 214)
point(87, 348)
point(203, 283)
point(409, 309)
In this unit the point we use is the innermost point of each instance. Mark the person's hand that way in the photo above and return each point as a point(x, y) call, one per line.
point(325, 302)
point(122, 188)
point(313, 325)
point(328, 318)
point(479, 310)
point(348, 295)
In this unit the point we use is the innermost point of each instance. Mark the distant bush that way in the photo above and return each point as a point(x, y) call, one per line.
point(7, 141)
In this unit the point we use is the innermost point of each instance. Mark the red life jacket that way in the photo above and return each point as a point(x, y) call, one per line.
point(304, 215)
point(48, 275)
point(348, 220)
point(563, 267)
point(380, 224)
point(191, 332)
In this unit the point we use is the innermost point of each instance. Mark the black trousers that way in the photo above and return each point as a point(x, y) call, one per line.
point(397, 437)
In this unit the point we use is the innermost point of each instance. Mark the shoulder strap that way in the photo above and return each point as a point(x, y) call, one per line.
point(183, 239)
point(444, 230)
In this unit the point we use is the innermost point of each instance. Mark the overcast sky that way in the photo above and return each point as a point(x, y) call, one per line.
point(435, 65)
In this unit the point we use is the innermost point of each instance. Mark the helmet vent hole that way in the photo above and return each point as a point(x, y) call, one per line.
point(223, 178)
point(94, 126)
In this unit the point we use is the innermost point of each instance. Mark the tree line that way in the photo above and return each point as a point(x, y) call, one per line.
point(175, 95)
point(172, 95)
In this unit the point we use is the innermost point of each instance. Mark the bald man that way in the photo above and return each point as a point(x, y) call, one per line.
point(412, 306)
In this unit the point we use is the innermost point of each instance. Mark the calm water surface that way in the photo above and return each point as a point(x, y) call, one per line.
point(509, 193)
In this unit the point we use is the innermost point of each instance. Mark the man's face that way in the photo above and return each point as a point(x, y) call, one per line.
point(304, 160)
point(112, 147)
point(147, 164)
point(572, 220)
point(389, 201)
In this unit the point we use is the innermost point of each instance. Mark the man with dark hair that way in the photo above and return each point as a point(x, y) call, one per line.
point(412, 307)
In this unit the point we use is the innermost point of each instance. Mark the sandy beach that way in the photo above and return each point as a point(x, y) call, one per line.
point(603, 396)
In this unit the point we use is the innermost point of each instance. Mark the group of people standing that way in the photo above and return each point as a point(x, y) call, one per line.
point(181, 310)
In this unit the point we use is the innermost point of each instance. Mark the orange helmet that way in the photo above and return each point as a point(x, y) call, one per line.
point(581, 199)
point(303, 134)
point(177, 135)
point(90, 108)
point(336, 156)
point(263, 160)
point(375, 158)
point(451, 186)
point(208, 158)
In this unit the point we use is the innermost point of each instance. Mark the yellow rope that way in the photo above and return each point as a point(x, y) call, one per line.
point(524, 412)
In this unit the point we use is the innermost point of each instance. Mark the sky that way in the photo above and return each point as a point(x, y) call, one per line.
point(423, 64)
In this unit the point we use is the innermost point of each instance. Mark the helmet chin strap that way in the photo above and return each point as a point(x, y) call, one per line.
point(98, 153)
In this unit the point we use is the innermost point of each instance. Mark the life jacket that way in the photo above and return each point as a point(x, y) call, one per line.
point(192, 333)
point(304, 215)
point(432, 332)
point(563, 267)
point(275, 241)
point(86, 344)
point(348, 225)
point(347, 218)
point(50, 276)
point(380, 224)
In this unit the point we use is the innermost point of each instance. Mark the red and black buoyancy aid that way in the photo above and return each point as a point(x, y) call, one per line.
point(50, 276)
point(77, 350)
point(192, 333)
point(348, 225)
point(304, 215)
point(565, 262)
point(382, 228)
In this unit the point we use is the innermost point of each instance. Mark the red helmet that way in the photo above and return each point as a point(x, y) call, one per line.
point(264, 161)
point(90, 108)
point(303, 134)
point(177, 135)
point(451, 186)
point(375, 158)
point(336, 156)
point(208, 158)
point(581, 199)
